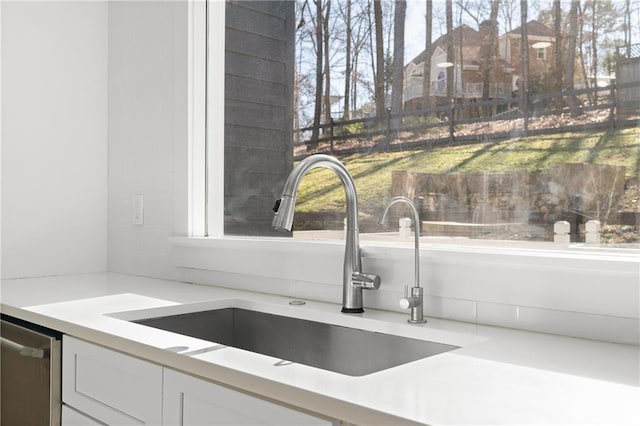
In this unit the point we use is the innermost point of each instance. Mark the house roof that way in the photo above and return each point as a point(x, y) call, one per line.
point(471, 43)
point(534, 28)
point(472, 40)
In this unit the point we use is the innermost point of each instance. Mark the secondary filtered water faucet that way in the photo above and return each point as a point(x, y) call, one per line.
point(353, 279)
point(415, 301)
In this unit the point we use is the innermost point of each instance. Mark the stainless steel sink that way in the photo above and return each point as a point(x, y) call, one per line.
point(331, 347)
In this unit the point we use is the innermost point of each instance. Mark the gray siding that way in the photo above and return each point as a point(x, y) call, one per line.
point(259, 59)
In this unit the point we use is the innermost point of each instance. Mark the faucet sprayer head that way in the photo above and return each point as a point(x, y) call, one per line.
point(283, 213)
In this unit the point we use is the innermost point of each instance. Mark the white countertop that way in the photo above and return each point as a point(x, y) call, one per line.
point(498, 376)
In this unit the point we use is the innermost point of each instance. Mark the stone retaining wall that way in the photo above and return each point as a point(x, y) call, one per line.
point(573, 192)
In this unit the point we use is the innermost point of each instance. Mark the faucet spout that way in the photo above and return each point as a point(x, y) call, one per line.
point(415, 301)
point(354, 280)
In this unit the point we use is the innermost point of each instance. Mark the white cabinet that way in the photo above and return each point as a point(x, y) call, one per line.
point(191, 401)
point(109, 386)
point(102, 386)
point(71, 417)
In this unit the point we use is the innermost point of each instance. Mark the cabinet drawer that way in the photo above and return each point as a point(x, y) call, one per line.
point(109, 386)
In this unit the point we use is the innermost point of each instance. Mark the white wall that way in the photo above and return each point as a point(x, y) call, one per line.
point(93, 112)
point(54, 138)
point(147, 133)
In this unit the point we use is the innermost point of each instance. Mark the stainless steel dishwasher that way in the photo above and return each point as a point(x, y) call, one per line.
point(30, 374)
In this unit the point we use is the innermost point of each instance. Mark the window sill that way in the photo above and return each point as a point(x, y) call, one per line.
point(389, 245)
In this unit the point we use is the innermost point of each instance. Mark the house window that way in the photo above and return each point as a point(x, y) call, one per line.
point(541, 53)
point(467, 188)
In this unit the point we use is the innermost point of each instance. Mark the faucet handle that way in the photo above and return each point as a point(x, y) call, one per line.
point(365, 281)
point(408, 301)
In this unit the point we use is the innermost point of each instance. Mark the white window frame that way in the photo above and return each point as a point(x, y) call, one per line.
point(196, 137)
point(206, 119)
point(215, 121)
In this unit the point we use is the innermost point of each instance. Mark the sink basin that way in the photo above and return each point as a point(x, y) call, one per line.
point(330, 347)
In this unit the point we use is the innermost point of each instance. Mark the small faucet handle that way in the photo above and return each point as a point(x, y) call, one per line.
point(408, 301)
point(365, 281)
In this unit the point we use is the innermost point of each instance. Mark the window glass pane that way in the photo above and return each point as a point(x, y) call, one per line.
point(505, 123)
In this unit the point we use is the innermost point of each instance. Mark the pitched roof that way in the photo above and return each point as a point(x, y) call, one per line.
point(535, 28)
point(470, 40)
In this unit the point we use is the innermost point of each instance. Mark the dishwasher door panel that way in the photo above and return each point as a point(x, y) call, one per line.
point(29, 377)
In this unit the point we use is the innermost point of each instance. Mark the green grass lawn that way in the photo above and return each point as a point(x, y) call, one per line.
point(321, 189)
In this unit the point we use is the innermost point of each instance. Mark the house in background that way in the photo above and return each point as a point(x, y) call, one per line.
point(541, 51)
point(471, 51)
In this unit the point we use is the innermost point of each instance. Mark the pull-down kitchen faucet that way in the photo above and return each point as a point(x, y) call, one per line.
point(413, 302)
point(353, 279)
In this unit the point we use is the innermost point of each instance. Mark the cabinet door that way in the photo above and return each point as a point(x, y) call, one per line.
point(109, 386)
point(189, 401)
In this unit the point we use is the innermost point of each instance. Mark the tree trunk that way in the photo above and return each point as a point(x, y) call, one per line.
point(315, 133)
point(327, 65)
point(490, 58)
point(594, 49)
point(347, 72)
point(524, 63)
point(581, 56)
point(379, 74)
point(426, 70)
point(569, 73)
point(450, 51)
point(398, 62)
point(627, 27)
point(354, 73)
point(557, 48)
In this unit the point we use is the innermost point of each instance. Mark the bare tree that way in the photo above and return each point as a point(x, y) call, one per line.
point(327, 62)
point(557, 48)
point(572, 37)
point(357, 29)
point(491, 54)
point(379, 74)
point(600, 19)
point(426, 70)
point(315, 133)
point(361, 22)
point(450, 51)
point(398, 61)
point(594, 45)
point(348, 61)
point(627, 27)
point(524, 62)
point(581, 53)
point(507, 12)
